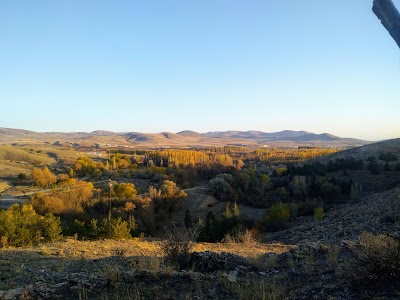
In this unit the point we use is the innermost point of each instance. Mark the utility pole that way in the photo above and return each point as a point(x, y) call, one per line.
point(110, 185)
point(389, 16)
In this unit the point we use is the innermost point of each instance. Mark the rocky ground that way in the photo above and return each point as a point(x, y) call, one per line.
point(376, 213)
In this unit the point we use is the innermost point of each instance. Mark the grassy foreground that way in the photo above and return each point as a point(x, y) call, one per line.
point(115, 266)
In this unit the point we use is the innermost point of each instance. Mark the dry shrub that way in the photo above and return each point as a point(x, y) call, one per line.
point(4, 241)
point(177, 246)
point(247, 237)
point(332, 256)
point(272, 288)
point(244, 237)
point(265, 262)
point(118, 252)
point(378, 261)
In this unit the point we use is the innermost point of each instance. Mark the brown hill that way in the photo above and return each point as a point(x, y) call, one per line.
point(181, 139)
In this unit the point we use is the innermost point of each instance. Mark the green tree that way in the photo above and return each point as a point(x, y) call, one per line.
point(228, 212)
point(235, 210)
point(21, 176)
point(278, 217)
point(219, 188)
point(51, 227)
point(319, 213)
point(115, 228)
point(21, 226)
point(373, 167)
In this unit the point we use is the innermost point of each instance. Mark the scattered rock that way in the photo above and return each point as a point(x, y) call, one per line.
point(208, 262)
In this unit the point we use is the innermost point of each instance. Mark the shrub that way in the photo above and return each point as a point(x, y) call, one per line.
point(21, 176)
point(115, 228)
point(319, 213)
point(278, 217)
point(378, 261)
point(177, 246)
point(245, 237)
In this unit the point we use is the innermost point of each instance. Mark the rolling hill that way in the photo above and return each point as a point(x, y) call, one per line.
point(184, 138)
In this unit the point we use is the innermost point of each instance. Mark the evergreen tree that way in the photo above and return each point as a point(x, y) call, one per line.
point(228, 212)
point(236, 211)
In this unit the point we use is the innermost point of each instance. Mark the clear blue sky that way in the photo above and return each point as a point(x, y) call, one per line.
point(203, 65)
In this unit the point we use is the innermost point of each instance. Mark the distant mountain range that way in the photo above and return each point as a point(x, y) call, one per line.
point(186, 138)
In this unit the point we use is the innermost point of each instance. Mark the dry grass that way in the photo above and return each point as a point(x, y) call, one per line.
point(24, 154)
point(154, 248)
point(272, 288)
point(3, 186)
point(247, 251)
point(101, 248)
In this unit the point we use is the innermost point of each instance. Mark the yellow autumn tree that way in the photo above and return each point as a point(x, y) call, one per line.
point(43, 177)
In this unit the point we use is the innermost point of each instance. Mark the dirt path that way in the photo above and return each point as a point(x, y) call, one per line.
point(7, 200)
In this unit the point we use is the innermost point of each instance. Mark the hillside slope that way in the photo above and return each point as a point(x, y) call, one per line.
point(185, 138)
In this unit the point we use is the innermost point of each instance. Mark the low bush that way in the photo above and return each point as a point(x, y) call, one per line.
point(378, 262)
point(177, 246)
point(278, 217)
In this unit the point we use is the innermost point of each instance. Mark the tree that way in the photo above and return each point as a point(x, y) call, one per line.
point(169, 190)
point(51, 227)
point(115, 228)
point(43, 177)
point(278, 217)
point(125, 191)
point(71, 173)
point(235, 210)
point(21, 176)
point(373, 167)
point(228, 212)
point(21, 226)
point(219, 188)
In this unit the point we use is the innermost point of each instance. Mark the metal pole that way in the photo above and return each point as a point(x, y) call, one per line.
point(109, 213)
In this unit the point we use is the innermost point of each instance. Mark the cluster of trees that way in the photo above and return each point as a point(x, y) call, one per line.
point(109, 211)
point(215, 229)
point(20, 226)
point(110, 228)
point(281, 213)
point(248, 186)
point(71, 196)
point(349, 163)
point(388, 156)
point(43, 177)
point(277, 155)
